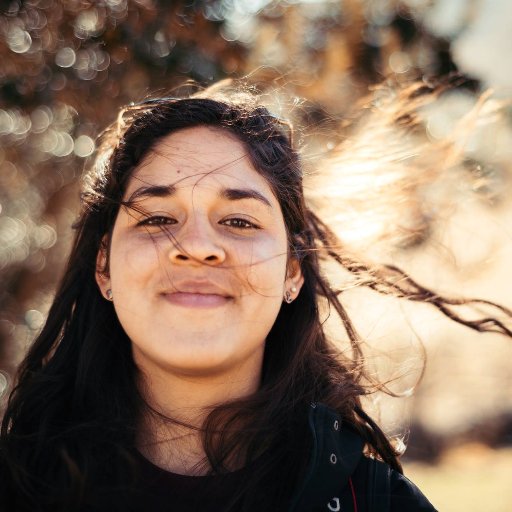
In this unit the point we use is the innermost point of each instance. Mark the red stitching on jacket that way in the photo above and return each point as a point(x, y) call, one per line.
point(353, 494)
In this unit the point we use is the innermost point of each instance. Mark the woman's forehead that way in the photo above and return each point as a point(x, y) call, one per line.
point(198, 156)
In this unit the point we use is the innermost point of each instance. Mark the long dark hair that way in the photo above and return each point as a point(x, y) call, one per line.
point(68, 433)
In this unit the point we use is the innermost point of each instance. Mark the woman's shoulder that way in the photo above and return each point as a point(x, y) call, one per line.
point(406, 496)
point(378, 487)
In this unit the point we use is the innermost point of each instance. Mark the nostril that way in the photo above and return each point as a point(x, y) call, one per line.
point(181, 257)
point(211, 258)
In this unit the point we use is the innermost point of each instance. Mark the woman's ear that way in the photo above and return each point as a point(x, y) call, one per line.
point(294, 280)
point(102, 275)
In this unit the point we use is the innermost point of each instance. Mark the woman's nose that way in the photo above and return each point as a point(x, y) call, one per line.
point(197, 242)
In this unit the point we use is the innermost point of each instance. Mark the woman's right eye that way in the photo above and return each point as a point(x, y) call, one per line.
point(156, 220)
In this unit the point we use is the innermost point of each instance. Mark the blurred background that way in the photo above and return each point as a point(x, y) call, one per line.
point(405, 120)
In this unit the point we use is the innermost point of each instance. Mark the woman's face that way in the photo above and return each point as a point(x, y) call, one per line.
point(198, 265)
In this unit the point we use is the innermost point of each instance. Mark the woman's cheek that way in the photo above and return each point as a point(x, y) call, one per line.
point(266, 268)
point(137, 256)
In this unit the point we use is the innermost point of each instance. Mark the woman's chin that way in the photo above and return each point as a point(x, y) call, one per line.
point(196, 360)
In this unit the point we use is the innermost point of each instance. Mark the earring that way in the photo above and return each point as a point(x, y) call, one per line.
point(109, 295)
point(288, 297)
point(293, 289)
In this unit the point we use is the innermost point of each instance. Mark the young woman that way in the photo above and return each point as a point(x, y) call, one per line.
point(184, 365)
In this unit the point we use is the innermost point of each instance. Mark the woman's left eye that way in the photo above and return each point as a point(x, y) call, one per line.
point(239, 223)
point(156, 220)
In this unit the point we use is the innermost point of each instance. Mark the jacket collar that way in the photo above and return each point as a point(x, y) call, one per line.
point(336, 451)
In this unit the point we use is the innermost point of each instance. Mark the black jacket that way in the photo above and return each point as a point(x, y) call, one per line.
point(340, 478)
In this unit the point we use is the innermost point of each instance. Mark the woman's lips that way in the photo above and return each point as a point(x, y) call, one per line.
point(196, 300)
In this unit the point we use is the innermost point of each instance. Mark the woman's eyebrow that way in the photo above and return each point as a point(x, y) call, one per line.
point(236, 194)
point(231, 194)
point(152, 191)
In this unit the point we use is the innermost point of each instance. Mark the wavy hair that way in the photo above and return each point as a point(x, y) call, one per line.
point(68, 433)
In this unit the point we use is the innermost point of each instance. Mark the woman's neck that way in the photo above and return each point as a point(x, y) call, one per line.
point(171, 436)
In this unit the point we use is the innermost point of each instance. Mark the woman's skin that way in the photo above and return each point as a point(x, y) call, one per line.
point(196, 310)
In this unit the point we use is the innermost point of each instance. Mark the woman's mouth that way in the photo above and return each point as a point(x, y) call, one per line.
point(197, 300)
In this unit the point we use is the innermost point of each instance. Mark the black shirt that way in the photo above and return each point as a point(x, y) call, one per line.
point(163, 491)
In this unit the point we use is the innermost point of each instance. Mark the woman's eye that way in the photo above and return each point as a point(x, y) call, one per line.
point(239, 223)
point(157, 220)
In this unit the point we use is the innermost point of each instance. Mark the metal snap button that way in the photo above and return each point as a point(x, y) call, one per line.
point(334, 505)
point(333, 459)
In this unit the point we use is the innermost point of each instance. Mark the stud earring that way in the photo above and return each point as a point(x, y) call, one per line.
point(293, 289)
point(109, 295)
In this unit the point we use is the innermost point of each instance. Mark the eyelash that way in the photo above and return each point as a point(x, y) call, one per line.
point(248, 224)
point(156, 220)
point(159, 220)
